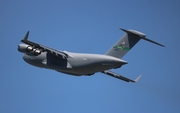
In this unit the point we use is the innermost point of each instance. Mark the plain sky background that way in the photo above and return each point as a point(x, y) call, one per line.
point(90, 26)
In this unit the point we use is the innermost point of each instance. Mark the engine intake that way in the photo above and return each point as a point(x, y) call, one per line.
point(29, 50)
point(37, 52)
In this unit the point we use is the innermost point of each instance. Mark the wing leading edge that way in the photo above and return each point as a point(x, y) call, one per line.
point(44, 48)
point(120, 76)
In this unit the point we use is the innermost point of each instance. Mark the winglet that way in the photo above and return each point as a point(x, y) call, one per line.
point(26, 36)
point(137, 79)
point(120, 76)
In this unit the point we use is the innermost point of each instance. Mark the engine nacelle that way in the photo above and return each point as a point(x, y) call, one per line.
point(29, 50)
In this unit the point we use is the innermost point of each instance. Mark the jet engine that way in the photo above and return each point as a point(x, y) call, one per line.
point(29, 50)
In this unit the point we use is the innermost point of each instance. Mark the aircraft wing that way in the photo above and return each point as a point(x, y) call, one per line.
point(120, 76)
point(44, 48)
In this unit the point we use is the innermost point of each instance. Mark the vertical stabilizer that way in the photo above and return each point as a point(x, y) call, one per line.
point(123, 45)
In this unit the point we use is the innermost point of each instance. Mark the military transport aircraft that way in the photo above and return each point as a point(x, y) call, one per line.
point(79, 64)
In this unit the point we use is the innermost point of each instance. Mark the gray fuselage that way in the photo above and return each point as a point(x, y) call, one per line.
point(76, 64)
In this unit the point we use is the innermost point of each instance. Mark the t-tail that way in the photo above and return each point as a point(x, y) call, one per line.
point(123, 45)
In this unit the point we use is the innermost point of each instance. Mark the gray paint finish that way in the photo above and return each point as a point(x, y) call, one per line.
point(79, 64)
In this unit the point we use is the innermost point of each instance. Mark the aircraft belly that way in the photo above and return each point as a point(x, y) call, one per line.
point(90, 68)
point(75, 66)
point(88, 64)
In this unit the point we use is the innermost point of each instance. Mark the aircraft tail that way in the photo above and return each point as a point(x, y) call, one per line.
point(123, 45)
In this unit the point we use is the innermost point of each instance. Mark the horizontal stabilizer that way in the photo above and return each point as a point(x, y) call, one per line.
point(152, 41)
point(141, 35)
point(134, 32)
point(120, 76)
